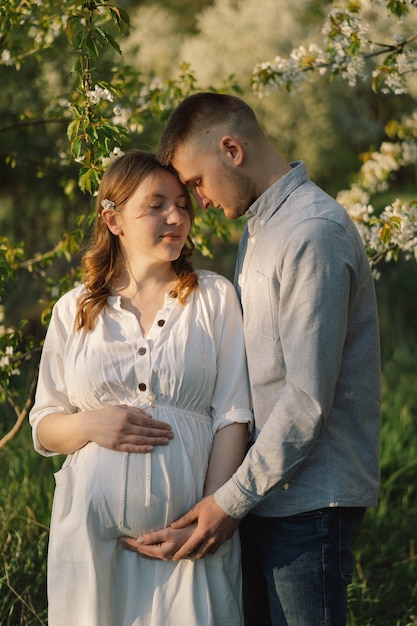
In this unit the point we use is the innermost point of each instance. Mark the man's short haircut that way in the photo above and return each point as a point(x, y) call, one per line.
point(196, 115)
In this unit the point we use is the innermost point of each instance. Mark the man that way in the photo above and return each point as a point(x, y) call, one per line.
point(312, 344)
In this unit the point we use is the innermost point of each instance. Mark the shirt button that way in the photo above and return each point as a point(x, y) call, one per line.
point(252, 239)
point(161, 323)
point(142, 351)
point(142, 387)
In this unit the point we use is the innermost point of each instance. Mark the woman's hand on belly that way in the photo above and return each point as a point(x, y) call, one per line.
point(126, 429)
point(161, 544)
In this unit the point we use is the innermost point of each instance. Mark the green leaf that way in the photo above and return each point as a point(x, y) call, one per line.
point(398, 8)
point(88, 180)
point(76, 147)
point(119, 15)
point(111, 40)
point(73, 129)
point(99, 36)
point(377, 81)
point(91, 132)
point(385, 234)
point(68, 28)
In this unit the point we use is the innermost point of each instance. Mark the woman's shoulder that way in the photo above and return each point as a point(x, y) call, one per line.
point(215, 286)
point(68, 300)
point(212, 279)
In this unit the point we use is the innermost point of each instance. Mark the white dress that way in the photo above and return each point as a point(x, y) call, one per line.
point(189, 371)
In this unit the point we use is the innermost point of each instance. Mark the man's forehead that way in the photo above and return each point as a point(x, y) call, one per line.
point(184, 162)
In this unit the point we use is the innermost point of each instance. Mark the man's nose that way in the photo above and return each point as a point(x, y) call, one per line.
point(199, 199)
point(202, 200)
point(206, 203)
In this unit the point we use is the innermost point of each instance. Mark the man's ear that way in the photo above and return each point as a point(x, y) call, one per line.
point(233, 149)
point(112, 218)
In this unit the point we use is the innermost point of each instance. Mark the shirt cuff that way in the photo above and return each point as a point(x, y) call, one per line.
point(236, 416)
point(233, 501)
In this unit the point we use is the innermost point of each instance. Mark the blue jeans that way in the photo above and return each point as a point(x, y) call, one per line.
point(296, 569)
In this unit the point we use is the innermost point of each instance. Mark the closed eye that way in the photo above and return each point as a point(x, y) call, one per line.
point(194, 185)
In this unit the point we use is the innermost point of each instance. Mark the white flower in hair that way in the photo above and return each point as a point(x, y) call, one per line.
point(108, 204)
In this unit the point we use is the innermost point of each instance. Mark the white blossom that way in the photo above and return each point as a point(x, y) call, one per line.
point(356, 201)
point(116, 152)
point(98, 93)
point(122, 116)
point(6, 57)
point(348, 42)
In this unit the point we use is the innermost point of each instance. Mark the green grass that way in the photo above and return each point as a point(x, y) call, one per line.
point(384, 590)
point(26, 489)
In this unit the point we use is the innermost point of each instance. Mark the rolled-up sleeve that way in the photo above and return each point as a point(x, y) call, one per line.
point(231, 396)
point(51, 393)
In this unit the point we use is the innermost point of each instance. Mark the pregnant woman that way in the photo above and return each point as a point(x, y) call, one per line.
point(143, 385)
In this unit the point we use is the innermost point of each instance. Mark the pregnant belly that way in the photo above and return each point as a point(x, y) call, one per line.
point(120, 493)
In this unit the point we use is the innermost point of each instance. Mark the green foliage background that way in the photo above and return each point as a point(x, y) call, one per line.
point(327, 125)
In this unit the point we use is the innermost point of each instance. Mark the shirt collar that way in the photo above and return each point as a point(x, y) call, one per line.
point(270, 201)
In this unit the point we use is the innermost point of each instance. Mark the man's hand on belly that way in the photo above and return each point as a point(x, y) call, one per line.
point(161, 544)
point(214, 527)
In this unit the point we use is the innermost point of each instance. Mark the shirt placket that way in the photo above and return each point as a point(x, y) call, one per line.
point(146, 400)
point(245, 260)
point(147, 396)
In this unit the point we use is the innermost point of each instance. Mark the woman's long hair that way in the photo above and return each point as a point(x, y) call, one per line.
point(103, 261)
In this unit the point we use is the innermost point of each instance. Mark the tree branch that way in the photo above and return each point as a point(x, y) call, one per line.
point(4, 129)
point(21, 415)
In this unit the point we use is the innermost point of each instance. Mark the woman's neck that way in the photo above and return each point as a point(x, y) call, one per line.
point(152, 280)
point(143, 294)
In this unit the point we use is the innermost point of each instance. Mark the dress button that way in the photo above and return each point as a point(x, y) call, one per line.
point(142, 351)
point(142, 387)
point(161, 322)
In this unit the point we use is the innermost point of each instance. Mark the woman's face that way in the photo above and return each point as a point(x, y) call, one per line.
point(155, 222)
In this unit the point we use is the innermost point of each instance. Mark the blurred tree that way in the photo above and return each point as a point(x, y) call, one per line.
point(68, 108)
point(314, 123)
point(70, 103)
point(185, 10)
point(373, 42)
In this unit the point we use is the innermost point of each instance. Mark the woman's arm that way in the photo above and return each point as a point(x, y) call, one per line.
point(58, 427)
point(229, 448)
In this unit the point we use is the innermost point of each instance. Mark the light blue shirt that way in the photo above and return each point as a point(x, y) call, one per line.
point(312, 342)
